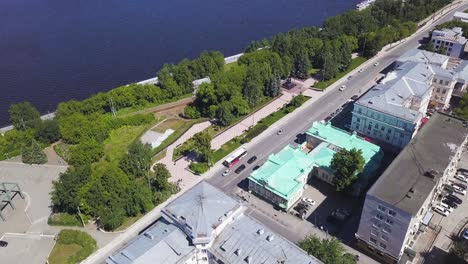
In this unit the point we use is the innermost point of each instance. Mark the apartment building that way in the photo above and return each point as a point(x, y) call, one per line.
point(206, 226)
point(451, 40)
point(402, 197)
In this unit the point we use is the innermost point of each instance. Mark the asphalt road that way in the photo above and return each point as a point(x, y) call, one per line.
point(299, 121)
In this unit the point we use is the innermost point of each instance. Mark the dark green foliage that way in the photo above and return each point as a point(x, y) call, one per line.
point(253, 132)
point(86, 152)
point(24, 115)
point(85, 241)
point(137, 161)
point(65, 193)
point(160, 184)
point(48, 131)
point(225, 113)
point(33, 154)
point(199, 167)
point(347, 165)
point(201, 146)
point(329, 251)
point(14, 141)
point(462, 109)
point(298, 101)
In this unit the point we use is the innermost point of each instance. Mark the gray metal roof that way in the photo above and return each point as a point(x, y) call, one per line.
point(161, 243)
point(242, 239)
point(452, 35)
point(404, 183)
point(394, 94)
point(423, 56)
point(202, 208)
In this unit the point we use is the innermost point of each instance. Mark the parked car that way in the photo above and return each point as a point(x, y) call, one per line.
point(461, 185)
point(354, 97)
point(458, 190)
point(461, 178)
point(226, 172)
point(465, 234)
point(450, 203)
point(256, 167)
point(240, 169)
point(252, 159)
point(308, 201)
point(376, 64)
point(350, 77)
point(280, 132)
point(454, 198)
point(3, 243)
point(361, 70)
point(342, 88)
point(446, 206)
point(462, 170)
point(441, 210)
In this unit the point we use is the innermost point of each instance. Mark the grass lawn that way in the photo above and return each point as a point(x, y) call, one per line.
point(225, 149)
point(160, 155)
point(171, 123)
point(313, 71)
point(60, 253)
point(354, 64)
point(228, 67)
point(130, 110)
point(116, 145)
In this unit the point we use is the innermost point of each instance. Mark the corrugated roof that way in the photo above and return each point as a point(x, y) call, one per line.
point(423, 56)
point(161, 243)
point(202, 208)
point(393, 96)
point(280, 172)
point(242, 239)
point(404, 184)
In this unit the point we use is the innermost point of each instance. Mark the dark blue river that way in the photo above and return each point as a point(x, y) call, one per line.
point(56, 50)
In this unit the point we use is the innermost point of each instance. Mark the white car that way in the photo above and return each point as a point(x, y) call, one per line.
point(441, 210)
point(308, 201)
point(226, 172)
point(465, 234)
point(361, 70)
point(342, 87)
point(444, 205)
point(376, 64)
point(458, 189)
point(461, 177)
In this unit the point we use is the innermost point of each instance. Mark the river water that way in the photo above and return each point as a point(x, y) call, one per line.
point(55, 50)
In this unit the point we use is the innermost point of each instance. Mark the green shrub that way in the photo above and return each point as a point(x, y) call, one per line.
point(64, 219)
point(199, 167)
point(253, 132)
point(33, 154)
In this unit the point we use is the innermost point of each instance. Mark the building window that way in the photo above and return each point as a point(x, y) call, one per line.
point(381, 208)
point(444, 91)
point(379, 216)
point(392, 213)
point(358, 120)
point(382, 245)
point(373, 240)
point(376, 224)
point(387, 229)
point(369, 127)
point(440, 82)
point(435, 80)
point(384, 238)
point(389, 221)
point(376, 125)
point(446, 83)
point(438, 89)
point(374, 232)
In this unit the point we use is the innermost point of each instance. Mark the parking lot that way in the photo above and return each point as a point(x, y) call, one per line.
point(27, 248)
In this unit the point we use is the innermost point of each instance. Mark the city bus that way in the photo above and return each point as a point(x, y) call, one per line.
point(235, 157)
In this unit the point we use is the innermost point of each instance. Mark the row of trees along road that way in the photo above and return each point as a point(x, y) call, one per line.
point(102, 186)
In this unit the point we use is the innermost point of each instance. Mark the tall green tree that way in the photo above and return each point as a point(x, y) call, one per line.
point(202, 146)
point(160, 184)
point(33, 154)
point(347, 164)
point(225, 115)
point(329, 251)
point(137, 161)
point(24, 115)
point(47, 131)
point(65, 193)
point(301, 66)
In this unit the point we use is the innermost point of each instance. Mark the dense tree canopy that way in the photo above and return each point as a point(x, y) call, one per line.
point(137, 162)
point(347, 164)
point(329, 251)
point(24, 115)
point(65, 193)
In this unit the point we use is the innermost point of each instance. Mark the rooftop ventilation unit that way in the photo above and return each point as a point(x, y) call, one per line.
point(238, 251)
point(148, 235)
point(248, 259)
point(270, 238)
point(260, 231)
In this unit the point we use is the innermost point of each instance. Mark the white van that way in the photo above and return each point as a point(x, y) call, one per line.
point(441, 210)
point(446, 206)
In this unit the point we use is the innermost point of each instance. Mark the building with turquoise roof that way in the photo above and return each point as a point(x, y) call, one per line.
point(281, 179)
